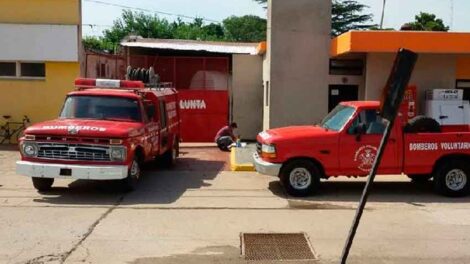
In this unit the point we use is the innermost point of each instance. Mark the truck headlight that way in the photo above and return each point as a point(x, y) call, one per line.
point(268, 151)
point(118, 153)
point(29, 149)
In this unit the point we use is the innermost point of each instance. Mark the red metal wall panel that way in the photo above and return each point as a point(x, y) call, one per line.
point(202, 83)
point(205, 73)
point(203, 113)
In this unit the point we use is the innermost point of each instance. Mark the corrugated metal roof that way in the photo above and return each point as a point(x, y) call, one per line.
point(194, 45)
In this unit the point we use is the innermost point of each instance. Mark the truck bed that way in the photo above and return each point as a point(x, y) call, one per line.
point(423, 149)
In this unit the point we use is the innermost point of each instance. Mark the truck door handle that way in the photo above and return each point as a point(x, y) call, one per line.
point(461, 106)
point(443, 117)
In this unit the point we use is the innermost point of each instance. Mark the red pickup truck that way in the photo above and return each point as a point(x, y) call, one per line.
point(346, 142)
point(106, 130)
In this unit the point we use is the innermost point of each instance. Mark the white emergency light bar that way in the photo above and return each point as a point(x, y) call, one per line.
point(108, 83)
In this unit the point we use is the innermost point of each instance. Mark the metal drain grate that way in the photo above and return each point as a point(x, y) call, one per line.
point(276, 247)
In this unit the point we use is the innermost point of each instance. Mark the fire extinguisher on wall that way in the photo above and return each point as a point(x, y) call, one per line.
point(409, 105)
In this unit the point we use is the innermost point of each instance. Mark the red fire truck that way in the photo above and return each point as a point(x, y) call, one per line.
point(106, 130)
point(346, 142)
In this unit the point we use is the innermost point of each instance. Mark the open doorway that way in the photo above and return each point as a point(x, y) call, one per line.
point(341, 93)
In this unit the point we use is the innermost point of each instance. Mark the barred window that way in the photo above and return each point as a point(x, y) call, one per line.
point(34, 70)
point(7, 69)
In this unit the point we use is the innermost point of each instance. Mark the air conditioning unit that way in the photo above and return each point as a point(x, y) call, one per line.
point(444, 94)
point(450, 112)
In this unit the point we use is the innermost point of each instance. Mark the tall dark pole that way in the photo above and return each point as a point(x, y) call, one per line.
point(391, 99)
point(365, 193)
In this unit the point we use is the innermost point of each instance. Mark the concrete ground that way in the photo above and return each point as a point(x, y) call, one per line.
point(195, 214)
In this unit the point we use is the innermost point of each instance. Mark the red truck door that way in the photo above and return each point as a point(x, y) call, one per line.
point(151, 128)
point(359, 143)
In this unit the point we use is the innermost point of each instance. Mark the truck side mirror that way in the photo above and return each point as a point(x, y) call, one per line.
point(150, 110)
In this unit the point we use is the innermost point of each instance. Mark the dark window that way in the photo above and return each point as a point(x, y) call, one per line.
point(342, 93)
point(346, 67)
point(8, 69)
point(33, 70)
point(101, 108)
point(370, 121)
point(101, 70)
point(465, 86)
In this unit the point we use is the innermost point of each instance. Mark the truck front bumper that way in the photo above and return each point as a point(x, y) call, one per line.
point(78, 172)
point(265, 167)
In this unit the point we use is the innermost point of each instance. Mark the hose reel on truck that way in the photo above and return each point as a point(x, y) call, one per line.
point(147, 76)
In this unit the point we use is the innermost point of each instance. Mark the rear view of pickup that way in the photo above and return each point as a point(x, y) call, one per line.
point(346, 142)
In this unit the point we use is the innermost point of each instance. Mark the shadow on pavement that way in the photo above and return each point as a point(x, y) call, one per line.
point(9, 147)
point(157, 186)
point(387, 192)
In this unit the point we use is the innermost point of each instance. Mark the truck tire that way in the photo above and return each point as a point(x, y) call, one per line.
point(419, 179)
point(451, 178)
point(422, 124)
point(133, 175)
point(169, 157)
point(43, 184)
point(300, 178)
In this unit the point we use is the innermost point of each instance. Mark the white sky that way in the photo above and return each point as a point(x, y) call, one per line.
point(397, 13)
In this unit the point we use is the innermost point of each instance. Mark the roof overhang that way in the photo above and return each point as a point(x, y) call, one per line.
point(391, 41)
point(189, 45)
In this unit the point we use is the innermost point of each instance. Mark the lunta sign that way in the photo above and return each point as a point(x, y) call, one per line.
point(193, 104)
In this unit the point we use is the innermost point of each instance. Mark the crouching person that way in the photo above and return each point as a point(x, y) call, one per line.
point(225, 137)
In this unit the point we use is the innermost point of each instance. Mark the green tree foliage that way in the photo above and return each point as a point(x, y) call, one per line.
point(245, 28)
point(426, 22)
point(349, 15)
point(97, 44)
point(346, 15)
point(133, 23)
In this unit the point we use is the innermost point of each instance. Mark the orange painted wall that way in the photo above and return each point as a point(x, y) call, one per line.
point(391, 41)
point(341, 44)
point(463, 67)
point(262, 48)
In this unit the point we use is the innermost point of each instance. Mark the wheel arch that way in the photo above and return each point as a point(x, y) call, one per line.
point(450, 157)
point(139, 153)
point(310, 159)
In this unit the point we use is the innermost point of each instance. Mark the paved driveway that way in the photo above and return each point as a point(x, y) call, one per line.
point(195, 213)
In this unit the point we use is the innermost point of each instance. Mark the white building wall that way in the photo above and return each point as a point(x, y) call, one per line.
point(299, 46)
point(432, 71)
point(247, 95)
point(21, 42)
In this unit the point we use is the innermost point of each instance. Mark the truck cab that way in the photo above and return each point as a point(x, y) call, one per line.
point(106, 130)
point(345, 143)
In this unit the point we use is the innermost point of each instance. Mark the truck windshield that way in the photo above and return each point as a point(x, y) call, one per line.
point(102, 108)
point(337, 118)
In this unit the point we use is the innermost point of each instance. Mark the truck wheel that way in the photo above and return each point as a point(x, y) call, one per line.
point(43, 184)
point(452, 178)
point(300, 178)
point(419, 179)
point(422, 124)
point(133, 175)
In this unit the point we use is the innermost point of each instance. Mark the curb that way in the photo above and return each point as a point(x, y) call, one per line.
point(239, 167)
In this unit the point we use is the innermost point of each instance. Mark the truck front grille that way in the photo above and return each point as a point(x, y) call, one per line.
point(81, 152)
